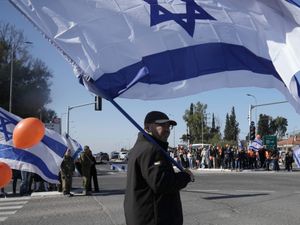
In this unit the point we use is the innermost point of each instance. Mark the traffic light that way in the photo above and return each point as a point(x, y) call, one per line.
point(252, 131)
point(98, 103)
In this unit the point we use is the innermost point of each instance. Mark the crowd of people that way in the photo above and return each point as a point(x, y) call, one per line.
point(31, 182)
point(231, 157)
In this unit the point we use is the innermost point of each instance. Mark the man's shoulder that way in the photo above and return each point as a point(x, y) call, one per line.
point(142, 148)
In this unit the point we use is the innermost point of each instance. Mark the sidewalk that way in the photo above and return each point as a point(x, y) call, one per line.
point(260, 170)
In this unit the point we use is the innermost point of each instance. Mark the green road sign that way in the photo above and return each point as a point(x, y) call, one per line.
point(270, 141)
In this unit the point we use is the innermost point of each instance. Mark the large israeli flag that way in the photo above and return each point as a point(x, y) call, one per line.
point(156, 49)
point(43, 159)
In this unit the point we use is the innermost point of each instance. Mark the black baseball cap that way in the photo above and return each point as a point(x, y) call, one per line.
point(158, 117)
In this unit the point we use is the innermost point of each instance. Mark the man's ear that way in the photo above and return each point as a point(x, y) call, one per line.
point(147, 127)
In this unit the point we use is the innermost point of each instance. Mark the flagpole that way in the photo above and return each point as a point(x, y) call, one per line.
point(146, 135)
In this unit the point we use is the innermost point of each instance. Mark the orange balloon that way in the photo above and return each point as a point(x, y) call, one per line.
point(5, 174)
point(28, 133)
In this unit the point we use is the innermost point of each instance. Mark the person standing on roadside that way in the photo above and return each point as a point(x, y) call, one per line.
point(2, 193)
point(86, 164)
point(94, 176)
point(67, 168)
point(152, 193)
point(25, 186)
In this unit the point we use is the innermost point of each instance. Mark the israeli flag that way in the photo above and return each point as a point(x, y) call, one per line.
point(296, 155)
point(75, 147)
point(256, 145)
point(157, 49)
point(43, 159)
point(240, 144)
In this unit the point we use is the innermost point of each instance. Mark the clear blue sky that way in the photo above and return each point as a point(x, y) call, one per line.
point(109, 130)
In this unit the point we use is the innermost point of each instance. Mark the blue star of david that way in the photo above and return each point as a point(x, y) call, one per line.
point(4, 121)
point(193, 12)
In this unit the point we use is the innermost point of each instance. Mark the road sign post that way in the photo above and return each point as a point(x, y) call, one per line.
point(270, 141)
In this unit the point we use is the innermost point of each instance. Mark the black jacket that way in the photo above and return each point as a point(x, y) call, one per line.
point(152, 193)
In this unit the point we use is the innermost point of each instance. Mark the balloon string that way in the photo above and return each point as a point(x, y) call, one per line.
point(146, 135)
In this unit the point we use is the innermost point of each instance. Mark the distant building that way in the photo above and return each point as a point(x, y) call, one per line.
point(55, 125)
point(289, 143)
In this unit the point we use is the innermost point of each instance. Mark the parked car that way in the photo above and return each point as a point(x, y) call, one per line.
point(114, 155)
point(123, 155)
point(102, 157)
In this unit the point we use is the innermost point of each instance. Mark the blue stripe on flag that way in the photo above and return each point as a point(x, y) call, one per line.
point(8, 152)
point(297, 161)
point(297, 83)
point(54, 146)
point(185, 63)
point(294, 2)
point(296, 155)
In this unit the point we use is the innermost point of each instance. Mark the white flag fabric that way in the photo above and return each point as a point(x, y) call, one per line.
point(43, 159)
point(157, 49)
point(296, 155)
point(256, 145)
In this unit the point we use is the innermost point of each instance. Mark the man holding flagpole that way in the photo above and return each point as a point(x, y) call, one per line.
point(152, 194)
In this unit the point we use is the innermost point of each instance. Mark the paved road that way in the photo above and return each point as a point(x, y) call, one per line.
point(216, 198)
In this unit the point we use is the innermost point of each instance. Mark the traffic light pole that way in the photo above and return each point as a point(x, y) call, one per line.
point(73, 107)
point(255, 106)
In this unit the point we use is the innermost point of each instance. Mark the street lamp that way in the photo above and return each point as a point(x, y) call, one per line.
point(11, 74)
point(250, 109)
point(287, 142)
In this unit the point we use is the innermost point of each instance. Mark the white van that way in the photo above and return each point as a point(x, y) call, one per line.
point(200, 145)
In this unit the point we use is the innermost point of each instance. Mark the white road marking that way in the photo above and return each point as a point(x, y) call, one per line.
point(224, 191)
point(256, 191)
point(11, 207)
point(14, 199)
point(195, 190)
point(13, 203)
point(8, 206)
point(2, 219)
point(7, 213)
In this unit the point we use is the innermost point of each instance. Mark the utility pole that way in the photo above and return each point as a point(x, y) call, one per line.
point(13, 49)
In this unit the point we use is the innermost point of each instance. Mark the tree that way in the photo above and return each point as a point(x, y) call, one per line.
point(215, 134)
point(269, 126)
point(281, 124)
point(227, 128)
point(234, 125)
point(231, 131)
point(263, 125)
point(31, 77)
point(195, 119)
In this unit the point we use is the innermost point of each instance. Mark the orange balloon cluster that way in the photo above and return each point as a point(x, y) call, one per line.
point(5, 174)
point(28, 133)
